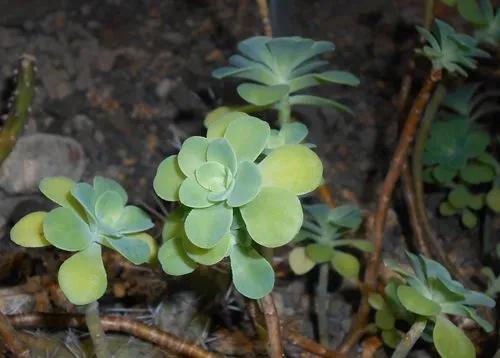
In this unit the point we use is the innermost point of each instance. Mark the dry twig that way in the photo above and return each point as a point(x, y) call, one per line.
point(113, 323)
point(273, 326)
point(264, 16)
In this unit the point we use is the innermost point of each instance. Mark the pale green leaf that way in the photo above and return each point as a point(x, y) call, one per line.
point(262, 95)
point(136, 251)
point(248, 137)
point(133, 219)
point(206, 227)
point(253, 276)
point(193, 153)
point(293, 167)
point(82, 277)
point(274, 217)
point(209, 256)
point(319, 253)
point(217, 128)
point(247, 184)
point(28, 232)
point(64, 229)
point(109, 207)
point(173, 259)
point(150, 241)
point(168, 179)
point(384, 319)
point(345, 264)
point(299, 262)
point(192, 194)
point(58, 189)
point(220, 151)
point(102, 185)
point(450, 341)
point(416, 303)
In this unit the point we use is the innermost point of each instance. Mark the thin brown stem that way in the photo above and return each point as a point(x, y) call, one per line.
point(311, 346)
point(273, 326)
point(11, 339)
point(264, 16)
point(116, 324)
point(398, 159)
point(326, 195)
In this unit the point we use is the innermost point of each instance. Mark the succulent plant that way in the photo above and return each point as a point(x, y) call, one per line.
point(280, 67)
point(289, 133)
point(325, 227)
point(429, 293)
point(88, 218)
point(450, 50)
point(456, 147)
point(231, 199)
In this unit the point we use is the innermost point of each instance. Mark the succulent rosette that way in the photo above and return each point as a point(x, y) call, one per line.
point(89, 217)
point(230, 199)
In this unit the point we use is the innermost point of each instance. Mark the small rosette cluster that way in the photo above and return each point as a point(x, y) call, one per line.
point(89, 217)
point(429, 293)
point(327, 229)
point(280, 67)
point(232, 196)
point(449, 50)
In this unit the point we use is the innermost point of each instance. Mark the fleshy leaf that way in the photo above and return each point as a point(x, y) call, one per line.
point(360, 244)
point(85, 195)
point(133, 219)
point(248, 137)
point(299, 262)
point(253, 276)
point(293, 167)
point(206, 227)
point(109, 207)
point(218, 127)
point(347, 216)
point(28, 232)
point(339, 77)
point(384, 319)
point(58, 189)
point(274, 217)
point(192, 194)
point(262, 95)
point(293, 133)
point(136, 251)
point(220, 151)
point(102, 185)
point(376, 301)
point(193, 153)
point(450, 341)
point(168, 179)
point(82, 277)
point(64, 229)
point(212, 176)
point(150, 241)
point(493, 199)
point(416, 303)
point(345, 264)
point(173, 259)
point(209, 256)
point(174, 224)
point(215, 115)
point(247, 184)
point(469, 219)
point(319, 253)
point(391, 338)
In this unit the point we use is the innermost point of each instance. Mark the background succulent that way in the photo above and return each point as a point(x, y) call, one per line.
point(280, 67)
point(325, 227)
point(88, 218)
point(450, 50)
point(231, 198)
point(430, 293)
point(458, 154)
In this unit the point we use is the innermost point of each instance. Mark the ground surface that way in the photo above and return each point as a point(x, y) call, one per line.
point(129, 80)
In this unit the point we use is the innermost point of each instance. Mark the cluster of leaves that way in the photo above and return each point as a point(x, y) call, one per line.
point(429, 294)
point(89, 217)
point(325, 227)
point(234, 196)
point(449, 50)
point(278, 68)
point(482, 16)
point(457, 155)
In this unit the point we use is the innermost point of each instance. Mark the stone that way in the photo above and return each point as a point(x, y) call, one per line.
point(165, 87)
point(38, 156)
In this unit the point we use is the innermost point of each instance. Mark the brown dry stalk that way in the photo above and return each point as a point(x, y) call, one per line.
point(11, 339)
point(384, 199)
point(398, 159)
point(326, 195)
point(273, 326)
point(264, 17)
point(416, 226)
point(113, 323)
point(311, 346)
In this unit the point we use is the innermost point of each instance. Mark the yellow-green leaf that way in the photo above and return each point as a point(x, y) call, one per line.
point(28, 231)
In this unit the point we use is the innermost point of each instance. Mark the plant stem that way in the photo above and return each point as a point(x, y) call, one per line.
point(116, 324)
point(429, 13)
point(264, 17)
point(409, 339)
point(96, 330)
point(285, 111)
point(273, 326)
point(11, 339)
point(394, 172)
point(322, 304)
point(20, 108)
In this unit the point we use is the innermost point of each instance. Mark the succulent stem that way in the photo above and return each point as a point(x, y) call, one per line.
point(96, 330)
point(20, 107)
point(322, 304)
point(409, 339)
point(285, 111)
